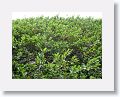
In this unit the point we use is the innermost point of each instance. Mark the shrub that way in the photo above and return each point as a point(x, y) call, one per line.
point(57, 48)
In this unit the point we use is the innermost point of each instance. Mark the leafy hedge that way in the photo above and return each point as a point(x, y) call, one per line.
point(57, 48)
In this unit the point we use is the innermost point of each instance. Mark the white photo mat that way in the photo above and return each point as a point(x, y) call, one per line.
point(104, 84)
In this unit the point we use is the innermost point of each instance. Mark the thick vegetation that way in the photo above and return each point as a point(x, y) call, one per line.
point(57, 48)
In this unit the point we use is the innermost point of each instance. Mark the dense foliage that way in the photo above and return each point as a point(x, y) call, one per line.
point(57, 48)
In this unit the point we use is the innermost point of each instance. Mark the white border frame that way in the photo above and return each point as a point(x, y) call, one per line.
point(104, 84)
